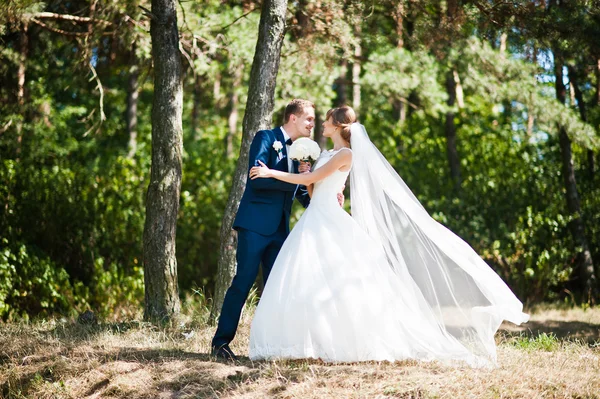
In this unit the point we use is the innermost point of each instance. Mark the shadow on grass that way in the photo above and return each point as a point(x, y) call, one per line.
point(174, 372)
point(76, 333)
point(198, 378)
point(563, 330)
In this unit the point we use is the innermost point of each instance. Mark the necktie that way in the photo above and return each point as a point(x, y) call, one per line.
point(289, 142)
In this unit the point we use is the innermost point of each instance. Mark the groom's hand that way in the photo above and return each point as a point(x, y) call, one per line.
point(340, 196)
point(304, 167)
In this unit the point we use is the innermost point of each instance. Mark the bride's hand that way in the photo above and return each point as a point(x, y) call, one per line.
point(260, 171)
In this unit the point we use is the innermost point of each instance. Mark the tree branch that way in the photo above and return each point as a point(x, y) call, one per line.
point(67, 17)
point(64, 32)
point(136, 23)
point(486, 12)
point(5, 127)
point(187, 56)
point(238, 18)
point(148, 13)
point(99, 85)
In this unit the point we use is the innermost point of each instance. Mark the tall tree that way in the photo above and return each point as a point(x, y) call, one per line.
point(341, 84)
point(23, 50)
point(450, 128)
point(133, 92)
point(574, 79)
point(232, 120)
point(399, 106)
point(585, 265)
point(356, 68)
point(258, 115)
point(162, 202)
point(452, 11)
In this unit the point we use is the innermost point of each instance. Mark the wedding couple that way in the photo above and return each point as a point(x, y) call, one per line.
point(387, 283)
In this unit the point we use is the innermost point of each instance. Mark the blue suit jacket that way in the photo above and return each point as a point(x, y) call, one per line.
point(266, 200)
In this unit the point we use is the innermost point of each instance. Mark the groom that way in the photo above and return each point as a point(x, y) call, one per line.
point(263, 218)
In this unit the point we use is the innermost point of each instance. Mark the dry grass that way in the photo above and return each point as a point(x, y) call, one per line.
point(557, 355)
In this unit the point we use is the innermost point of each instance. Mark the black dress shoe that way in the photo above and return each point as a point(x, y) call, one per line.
point(223, 352)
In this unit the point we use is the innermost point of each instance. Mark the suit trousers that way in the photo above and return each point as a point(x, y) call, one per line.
point(253, 249)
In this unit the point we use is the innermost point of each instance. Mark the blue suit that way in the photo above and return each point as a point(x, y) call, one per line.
point(263, 224)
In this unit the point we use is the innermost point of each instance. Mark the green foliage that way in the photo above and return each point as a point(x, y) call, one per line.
point(72, 201)
point(31, 283)
point(205, 188)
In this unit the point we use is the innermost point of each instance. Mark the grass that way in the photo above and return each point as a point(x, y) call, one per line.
point(555, 355)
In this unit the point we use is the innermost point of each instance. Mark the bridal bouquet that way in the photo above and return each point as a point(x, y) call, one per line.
point(304, 149)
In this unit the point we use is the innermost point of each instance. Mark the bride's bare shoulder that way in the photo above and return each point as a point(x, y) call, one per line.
point(344, 153)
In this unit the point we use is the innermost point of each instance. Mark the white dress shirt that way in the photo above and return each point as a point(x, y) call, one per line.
point(287, 148)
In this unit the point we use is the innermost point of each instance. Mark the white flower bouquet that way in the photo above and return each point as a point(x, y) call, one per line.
point(304, 149)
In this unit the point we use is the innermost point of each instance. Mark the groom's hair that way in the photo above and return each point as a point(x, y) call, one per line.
point(296, 107)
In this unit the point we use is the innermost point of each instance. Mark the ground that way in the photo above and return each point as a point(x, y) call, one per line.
point(555, 355)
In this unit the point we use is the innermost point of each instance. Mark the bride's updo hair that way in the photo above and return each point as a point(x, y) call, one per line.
point(342, 117)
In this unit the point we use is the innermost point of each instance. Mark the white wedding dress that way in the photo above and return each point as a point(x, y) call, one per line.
point(333, 295)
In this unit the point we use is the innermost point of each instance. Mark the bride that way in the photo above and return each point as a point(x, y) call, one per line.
point(387, 283)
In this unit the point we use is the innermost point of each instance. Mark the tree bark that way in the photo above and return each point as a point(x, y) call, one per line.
point(232, 120)
point(598, 82)
point(195, 119)
point(585, 267)
point(23, 52)
point(162, 202)
point(452, 10)
point(319, 138)
point(218, 97)
point(259, 113)
point(530, 117)
point(132, 102)
point(303, 27)
point(503, 38)
point(399, 19)
point(398, 106)
point(451, 148)
point(356, 67)
point(574, 79)
point(341, 84)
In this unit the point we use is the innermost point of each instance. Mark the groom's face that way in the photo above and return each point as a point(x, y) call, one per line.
point(305, 122)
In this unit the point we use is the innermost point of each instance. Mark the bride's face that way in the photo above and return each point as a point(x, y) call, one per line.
point(329, 128)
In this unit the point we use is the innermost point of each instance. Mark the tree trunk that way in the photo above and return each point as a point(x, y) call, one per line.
point(398, 106)
point(598, 83)
point(356, 67)
point(162, 202)
point(303, 27)
point(460, 95)
point(341, 84)
point(399, 19)
point(574, 79)
point(319, 138)
point(217, 96)
point(530, 117)
point(597, 100)
point(259, 113)
point(585, 266)
point(132, 102)
point(234, 112)
point(23, 51)
point(503, 38)
point(451, 149)
point(195, 119)
point(452, 10)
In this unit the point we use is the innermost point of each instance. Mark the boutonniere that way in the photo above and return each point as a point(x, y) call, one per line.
point(277, 146)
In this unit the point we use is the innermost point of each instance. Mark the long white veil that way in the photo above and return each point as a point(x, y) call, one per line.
point(452, 284)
